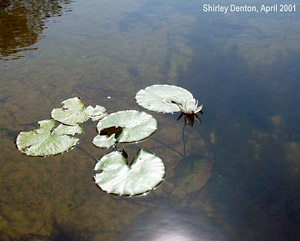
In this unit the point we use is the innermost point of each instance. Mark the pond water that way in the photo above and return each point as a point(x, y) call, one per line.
point(240, 177)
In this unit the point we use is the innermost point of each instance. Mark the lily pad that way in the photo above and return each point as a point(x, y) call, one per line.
point(95, 113)
point(104, 141)
point(135, 126)
point(164, 98)
point(145, 173)
point(48, 141)
point(191, 174)
point(72, 112)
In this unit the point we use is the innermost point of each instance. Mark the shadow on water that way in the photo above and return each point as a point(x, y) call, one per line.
point(62, 232)
point(22, 24)
point(59, 232)
point(250, 117)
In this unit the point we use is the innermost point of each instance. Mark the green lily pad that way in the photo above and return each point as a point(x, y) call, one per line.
point(47, 141)
point(145, 173)
point(74, 112)
point(104, 141)
point(95, 113)
point(191, 174)
point(135, 126)
point(165, 98)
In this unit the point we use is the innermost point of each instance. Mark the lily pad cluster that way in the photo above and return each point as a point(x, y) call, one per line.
point(50, 140)
point(113, 173)
point(73, 112)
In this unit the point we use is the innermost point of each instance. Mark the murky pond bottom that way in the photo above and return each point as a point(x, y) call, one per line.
point(61, 196)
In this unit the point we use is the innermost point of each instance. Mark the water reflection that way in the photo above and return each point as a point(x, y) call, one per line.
point(22, 23)
point(254, 139)
point(174, 224)
point(244, 69)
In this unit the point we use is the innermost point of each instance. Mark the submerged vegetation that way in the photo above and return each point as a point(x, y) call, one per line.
point(113, 172)
point(59, 232)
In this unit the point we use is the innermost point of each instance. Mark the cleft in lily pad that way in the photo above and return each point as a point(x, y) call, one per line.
point(46, 140)
point(74, 112)
point(116, 176)
point(130, 126)
point(168, 99)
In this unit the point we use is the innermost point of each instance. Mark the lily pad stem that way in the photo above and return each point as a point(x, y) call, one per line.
point(183, 140)
point(165, 144)
point(87, 153)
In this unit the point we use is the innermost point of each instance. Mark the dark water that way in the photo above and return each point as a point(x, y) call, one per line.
point(244, 68)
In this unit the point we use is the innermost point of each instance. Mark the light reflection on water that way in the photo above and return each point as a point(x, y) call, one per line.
point(243, 69)
point(173, 223)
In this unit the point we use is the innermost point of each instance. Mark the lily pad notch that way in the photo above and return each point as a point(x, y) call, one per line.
point(48, 140)
point(117, 177)
point(132, 126)
point(74, 112)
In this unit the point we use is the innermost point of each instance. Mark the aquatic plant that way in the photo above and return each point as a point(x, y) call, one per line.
point(144, 173)
point(191, 174)
point(134, 126)
point(113, 172)
point(168, 99)
point(46, 141)
point(74, 112)
point(146, 170)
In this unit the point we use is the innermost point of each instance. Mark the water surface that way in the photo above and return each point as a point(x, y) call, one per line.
point(243, 67)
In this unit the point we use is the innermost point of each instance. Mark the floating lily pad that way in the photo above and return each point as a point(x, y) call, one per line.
point(95, 113)
point(191, 174)
point(48, 141)
point(104, 141)
point(163, 98)
point(72, 112)
point(135, 126)
point(145, 173)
